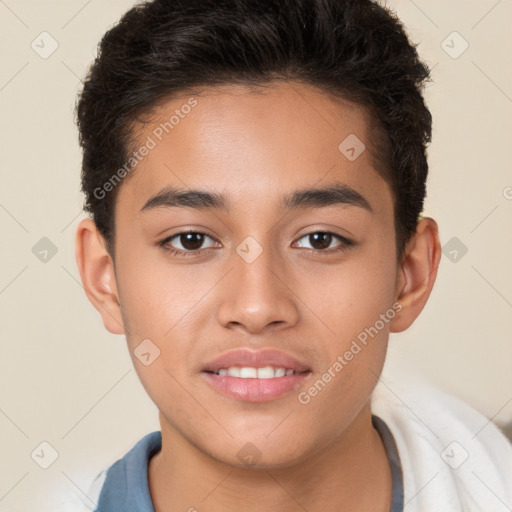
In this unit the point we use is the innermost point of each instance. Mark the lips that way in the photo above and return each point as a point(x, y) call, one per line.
point(289, 376)
point(256, 359)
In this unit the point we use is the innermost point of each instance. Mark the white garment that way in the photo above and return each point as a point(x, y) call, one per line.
point(453, 458)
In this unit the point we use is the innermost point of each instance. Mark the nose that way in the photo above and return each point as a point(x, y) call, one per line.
point(257, 295)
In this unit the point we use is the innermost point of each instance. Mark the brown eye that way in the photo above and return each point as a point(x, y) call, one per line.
point(188, 243)
point(322, 240)
point(191, 241)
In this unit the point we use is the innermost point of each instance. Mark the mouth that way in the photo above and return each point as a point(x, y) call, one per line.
point(249, 372)
point(255, 376)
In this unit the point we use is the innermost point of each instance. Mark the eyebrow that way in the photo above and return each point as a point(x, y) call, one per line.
point(331, 195)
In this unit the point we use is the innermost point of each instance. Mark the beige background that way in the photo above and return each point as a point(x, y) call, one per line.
point(67, 381)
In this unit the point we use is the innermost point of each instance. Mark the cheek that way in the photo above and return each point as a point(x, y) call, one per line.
point(158, 297)
point(354, 303)
point(163, 303)
point(354, 346)
point(349, 297)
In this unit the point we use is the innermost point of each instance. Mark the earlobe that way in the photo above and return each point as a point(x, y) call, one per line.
point(418, 273)
point(97, 273)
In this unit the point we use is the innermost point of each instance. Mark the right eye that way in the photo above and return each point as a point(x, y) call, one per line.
point(190, 241)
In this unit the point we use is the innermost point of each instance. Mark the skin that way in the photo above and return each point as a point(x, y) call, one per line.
point(255, 147)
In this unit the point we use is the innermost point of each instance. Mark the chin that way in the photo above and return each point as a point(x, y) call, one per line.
point(256, 455)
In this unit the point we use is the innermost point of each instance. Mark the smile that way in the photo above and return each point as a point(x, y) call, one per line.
point(248, 372)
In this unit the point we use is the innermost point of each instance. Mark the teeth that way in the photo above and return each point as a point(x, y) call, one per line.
point(234, 371)
point(247, 372)
point(266, 373)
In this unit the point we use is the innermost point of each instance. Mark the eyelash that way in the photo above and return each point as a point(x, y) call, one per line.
point(345, 243)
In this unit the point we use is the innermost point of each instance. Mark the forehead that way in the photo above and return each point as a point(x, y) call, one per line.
point(253, 143)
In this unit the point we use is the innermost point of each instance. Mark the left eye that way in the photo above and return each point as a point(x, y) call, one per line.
point(321, 240)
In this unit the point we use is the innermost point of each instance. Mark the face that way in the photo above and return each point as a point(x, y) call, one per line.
point(270, 265)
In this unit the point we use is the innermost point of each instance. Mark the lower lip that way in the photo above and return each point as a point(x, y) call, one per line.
point(255, 390)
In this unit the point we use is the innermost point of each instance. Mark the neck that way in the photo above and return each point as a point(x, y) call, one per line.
point(351, 473)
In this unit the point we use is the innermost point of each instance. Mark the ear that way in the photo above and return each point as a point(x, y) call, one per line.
point(97, 273)
point(417, 273)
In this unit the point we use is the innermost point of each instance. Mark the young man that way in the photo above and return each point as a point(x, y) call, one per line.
point(255, 172)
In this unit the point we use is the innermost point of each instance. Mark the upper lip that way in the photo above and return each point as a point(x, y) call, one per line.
point(256, 359)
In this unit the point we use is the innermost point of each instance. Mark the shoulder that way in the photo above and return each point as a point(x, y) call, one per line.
point(453, 457)
point(123, 486)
